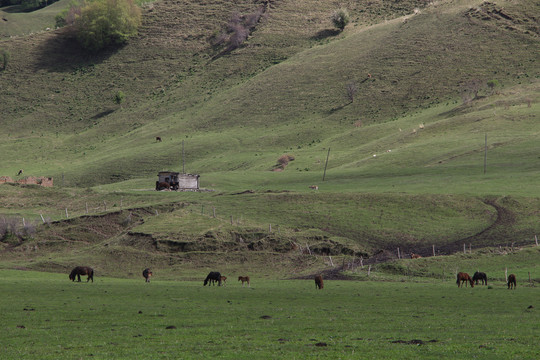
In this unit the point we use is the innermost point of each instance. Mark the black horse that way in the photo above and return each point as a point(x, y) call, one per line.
point(212, 277)
point(480, 276)
point(147, 274)
point(82, 270)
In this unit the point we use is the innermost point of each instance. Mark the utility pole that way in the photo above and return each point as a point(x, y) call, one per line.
point(326, 164)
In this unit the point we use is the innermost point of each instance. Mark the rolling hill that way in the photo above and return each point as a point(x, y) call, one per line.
point(415, 131)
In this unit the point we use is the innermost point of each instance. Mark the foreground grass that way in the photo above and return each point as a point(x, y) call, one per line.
point(46, 316)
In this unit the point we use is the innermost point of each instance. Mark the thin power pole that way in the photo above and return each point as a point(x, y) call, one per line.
point(326, 164)
point(485, 155)
point(183, 159)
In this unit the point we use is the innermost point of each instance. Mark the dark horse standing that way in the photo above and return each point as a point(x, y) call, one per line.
point(212, 277)
point(319, 284)
point(480, 276)
point(512, 281)
point(147, 273)
point(82, 270)
point(463, 278)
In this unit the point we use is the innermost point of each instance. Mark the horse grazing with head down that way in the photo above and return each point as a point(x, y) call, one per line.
point(463, 278)
point(244, 279)
point(415, 256)
point(223, 280)
point(82, 270)
point(319, 284)
point(512, 281)
point(147, 274)
point(212, 277)
point(480, 276)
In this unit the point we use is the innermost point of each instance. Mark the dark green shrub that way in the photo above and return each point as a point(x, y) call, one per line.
point(340, 18)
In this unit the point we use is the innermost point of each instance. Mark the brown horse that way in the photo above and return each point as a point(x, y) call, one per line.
point(463, 278)
point(244, 279)
point(319, 284)
point(147, 274)
point(224, 280)
point(512, 281)
point(82, 270)
point(415, 256)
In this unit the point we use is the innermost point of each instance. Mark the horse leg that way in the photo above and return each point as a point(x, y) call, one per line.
point(79, 277)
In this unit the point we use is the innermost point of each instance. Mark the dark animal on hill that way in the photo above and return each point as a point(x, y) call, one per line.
point(480, 276)
point(158, 138)
point(415, 256)
point(212, 277)
point(463, 278)
point(244, 279)
point(147, 274)
point(223, 280)
point(319, 284)
point(20, 172)
point(82, 270)
point(512, 281)
point(163, 186)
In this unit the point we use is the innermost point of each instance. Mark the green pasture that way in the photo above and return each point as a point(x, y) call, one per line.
point(46, 316)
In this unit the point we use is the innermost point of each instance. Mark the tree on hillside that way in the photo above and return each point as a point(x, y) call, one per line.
point(106, 22)
point(340, 18)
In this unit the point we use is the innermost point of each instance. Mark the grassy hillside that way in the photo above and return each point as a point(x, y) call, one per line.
point(405, 155)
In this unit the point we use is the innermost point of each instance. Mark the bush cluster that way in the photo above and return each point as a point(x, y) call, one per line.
point(237, 30)
point(100, 23)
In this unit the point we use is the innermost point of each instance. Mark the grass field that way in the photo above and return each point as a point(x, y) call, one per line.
point(48, 317)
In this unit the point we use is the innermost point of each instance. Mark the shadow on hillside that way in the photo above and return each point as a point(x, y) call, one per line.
point(323, 34)
point(61, 52)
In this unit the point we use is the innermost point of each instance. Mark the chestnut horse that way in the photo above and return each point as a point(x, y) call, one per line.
point(244, 279)
point(480, 276)
point(223, 279)
point(415, 256)
point(463, 278)
point(319, 284)
point(82, 270)
point(147, 274)
point(512, 281)
point(212, 277)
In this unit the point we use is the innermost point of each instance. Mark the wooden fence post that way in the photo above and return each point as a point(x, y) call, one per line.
point(369, 270)
point(87, 208)
point(506, 274)
point(536, 239)
point(67, 214)
point(214, 212)
point(42, 219)
point(433, 250)
point(398, 254)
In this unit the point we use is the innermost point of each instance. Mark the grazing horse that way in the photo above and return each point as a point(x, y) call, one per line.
point(212, 277)
point(512, 281)
point(463, 277)
point(244, 279)
point(415, 256)
point(147, 273)
point(158, 138)
point(20, 172)
point(82, 270)
point(480, 276)
point(223, 279)
point(319, 284)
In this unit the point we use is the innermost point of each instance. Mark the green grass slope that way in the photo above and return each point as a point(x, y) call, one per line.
point(406, 157)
